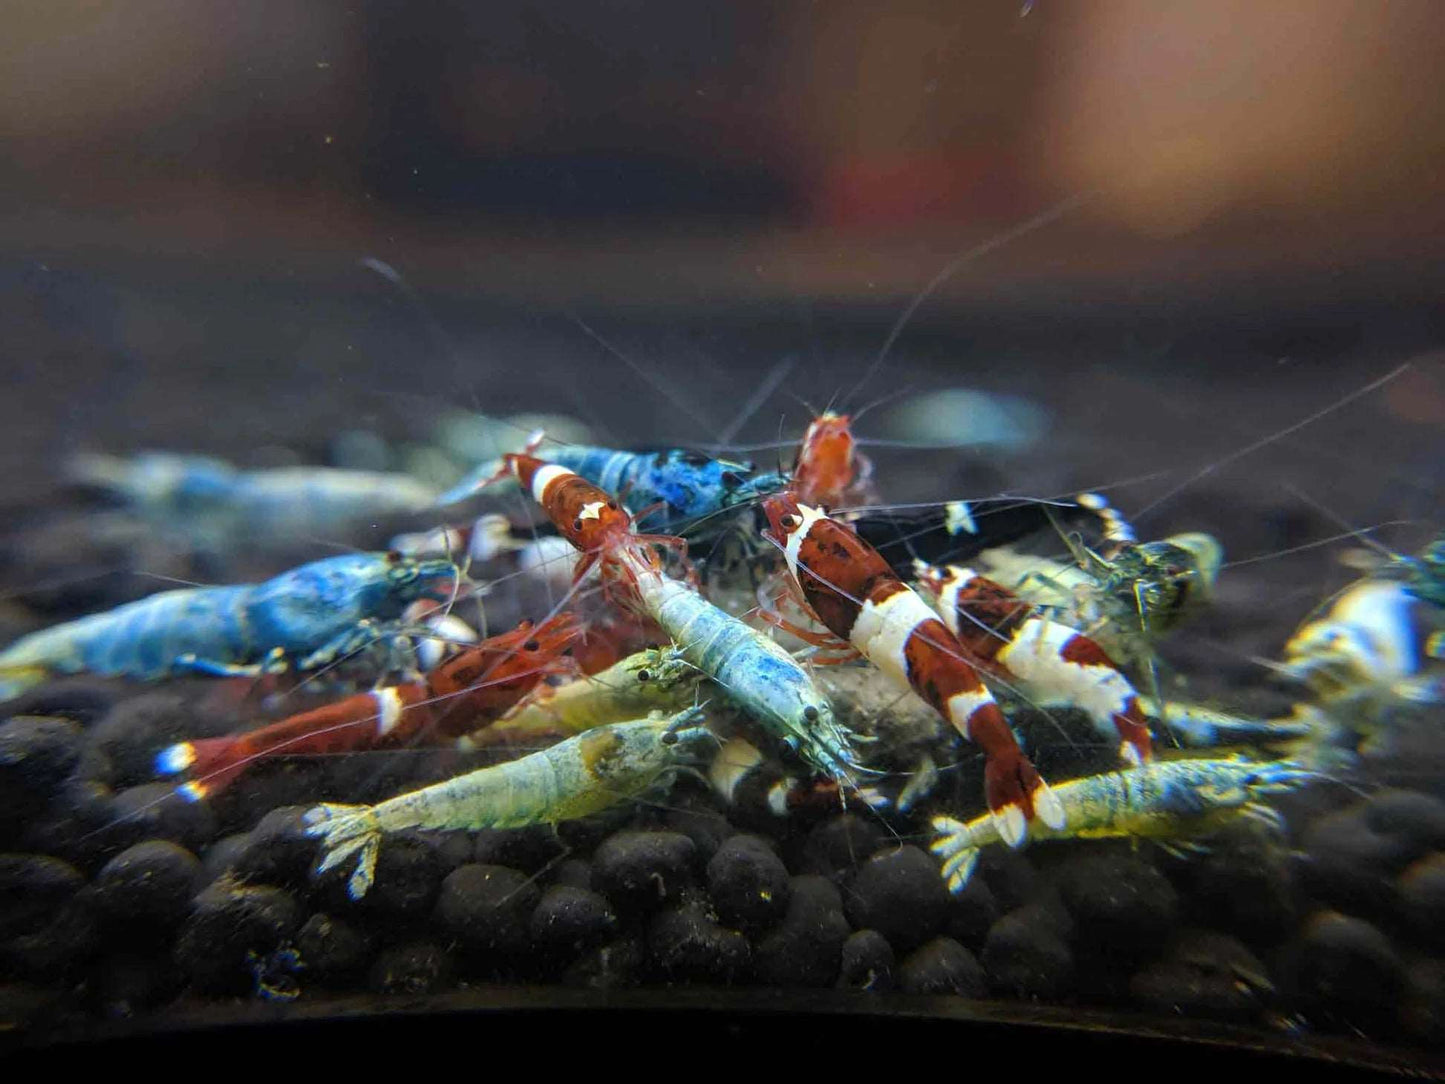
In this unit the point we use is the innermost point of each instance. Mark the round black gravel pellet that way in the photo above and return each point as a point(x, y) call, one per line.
point(1346, 967)
point(221, 855)
point(32, 888)
point(1011, 877)
point(685, 944)
point(1348, 864)
point(150, 883)
point(55, 950)
point(573, 872)
point(1422, 1007)
point(332, 949)
point(643, 871)
point(528, 849)
point(418, 967)
point(487, 908)
point(79, 825)
point(699, 818)
point(567, 921)
point(1415, 819)
point(1245, 883)
point(806, 948)
point(748, 884)
point(867, 962)
point(36, 756)
point(277, 850)
point(409, 876)
point(942, 966)
point(1205, 974)
point(1025, 956)
point(900, 894)
point(971, 914)
point(838, 846)
point(1421, 890)
point(156, 811)
point(1122, 906)
point(231, 927)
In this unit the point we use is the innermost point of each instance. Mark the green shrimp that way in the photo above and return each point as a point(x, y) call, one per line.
point(580, 776)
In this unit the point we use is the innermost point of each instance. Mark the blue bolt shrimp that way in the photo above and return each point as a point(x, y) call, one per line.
point(304, 618)
point(687, 486)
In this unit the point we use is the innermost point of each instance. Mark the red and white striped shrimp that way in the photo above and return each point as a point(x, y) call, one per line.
point(850, 589)
point(478, 686)
point(1046, 660)
point(593, 521)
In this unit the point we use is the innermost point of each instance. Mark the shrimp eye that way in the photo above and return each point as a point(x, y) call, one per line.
point(644, 675)
point(393, 557)
point(731, 479)
point(531, 645)
point(577, 524)
point(810, 713)
point(669, 738)
point(789, 521)
point(612, 506)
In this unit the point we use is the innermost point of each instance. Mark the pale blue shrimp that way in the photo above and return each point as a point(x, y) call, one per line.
point(756, 673)
point(213, 501)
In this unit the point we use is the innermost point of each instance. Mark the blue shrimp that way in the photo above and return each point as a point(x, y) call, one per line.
point(689, 485)
point(755, 672)
point(306, 618)
point(209, 497)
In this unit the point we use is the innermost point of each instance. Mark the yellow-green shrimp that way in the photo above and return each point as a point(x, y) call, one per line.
point(658, 679)
point(578, 777)
point(1162, 800)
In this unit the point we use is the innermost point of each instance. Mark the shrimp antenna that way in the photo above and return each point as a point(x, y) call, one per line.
point(776, 375)
point(642, 373)
point(997, 241)
point(1263, 442)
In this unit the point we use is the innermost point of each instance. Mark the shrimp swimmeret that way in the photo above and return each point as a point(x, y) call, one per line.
point(580, 776)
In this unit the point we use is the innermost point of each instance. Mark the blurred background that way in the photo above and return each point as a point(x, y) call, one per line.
point(1174, 227)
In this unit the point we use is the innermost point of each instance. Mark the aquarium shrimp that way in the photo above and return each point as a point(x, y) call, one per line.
point(668, 489)
point(657, 679)
point(1199, 726)
point(193, 490)
point(580, 776)
point(1126, 599)
point(829, 469)
point(1047, 662)
point(305, 618)
point(1379, 646)
point(843, 582)
point(756, 673)
point(459, 696)
point(1163, 801)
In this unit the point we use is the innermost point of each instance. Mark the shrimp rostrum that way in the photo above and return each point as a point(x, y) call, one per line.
point(304, 619)
point(578, 777)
